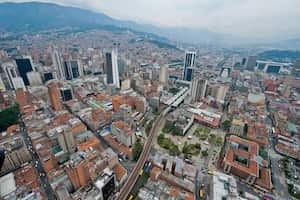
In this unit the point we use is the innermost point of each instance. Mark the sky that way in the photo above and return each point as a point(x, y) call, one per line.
point(261, 19)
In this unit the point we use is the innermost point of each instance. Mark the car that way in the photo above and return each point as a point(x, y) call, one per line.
point(190, 137)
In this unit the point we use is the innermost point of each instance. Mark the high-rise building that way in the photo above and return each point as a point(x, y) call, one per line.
point(24, 65)
point(198, 89)
point(54, 96)
point(58, 64)
point(106, 183)
point(250, 63)
point(112, 68)
point(163, 76)
point(296, 69)
point(10, 71)
point(34, 78)
point(18, 83)
point(77, 171)
point(21, 97)
point(67, 70)
point(66, 139)
point(189, 62)
point(66, 94)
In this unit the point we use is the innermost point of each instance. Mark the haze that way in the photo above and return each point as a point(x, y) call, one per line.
point(268, 19)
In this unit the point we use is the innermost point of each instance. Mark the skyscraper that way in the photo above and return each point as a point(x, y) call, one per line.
point(163, 76)
point(112, 68)
point(198, 89)
point(58, 64)
point(54, 96)
point(10, 71)
point(250, 63)
point(189, 62)
point(24, 66)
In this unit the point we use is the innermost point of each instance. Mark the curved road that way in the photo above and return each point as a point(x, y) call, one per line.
point(144, 155)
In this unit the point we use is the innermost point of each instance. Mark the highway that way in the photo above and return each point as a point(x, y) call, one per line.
point(144, 155)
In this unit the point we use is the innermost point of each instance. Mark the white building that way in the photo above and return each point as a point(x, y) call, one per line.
point(163, 75)
point(58, 64)
point(18, 83)
point(34, 78)
point(198, 89)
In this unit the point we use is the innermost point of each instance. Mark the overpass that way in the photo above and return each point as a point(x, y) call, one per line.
point(144, 155)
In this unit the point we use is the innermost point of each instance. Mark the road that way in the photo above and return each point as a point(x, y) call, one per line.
point(144, 155)
point(37, 164)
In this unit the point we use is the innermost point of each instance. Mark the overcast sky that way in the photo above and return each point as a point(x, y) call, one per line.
point(264, 19)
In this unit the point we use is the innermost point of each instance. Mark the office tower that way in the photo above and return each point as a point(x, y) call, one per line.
point(198, 89)
point(296, 69)
point(2, 157)
point(163, 76)
point(58, 64)
point(66, 94)
point(24, 66)
point(48, 76)
point(250, 63)
point(21, 97)
point(189, 62)
point(112, 68)
point(54, 96)
point(10, 71)
point(67, 70)
point(34, 78)
point(18, 83)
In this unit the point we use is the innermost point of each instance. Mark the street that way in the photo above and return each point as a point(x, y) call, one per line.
point(37, 164)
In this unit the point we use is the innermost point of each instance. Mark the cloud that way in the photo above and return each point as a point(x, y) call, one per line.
point(264, 19)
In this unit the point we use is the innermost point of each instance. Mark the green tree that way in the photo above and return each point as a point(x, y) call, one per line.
point(174, 150)
point(137, 150)
point(8, 117)
point(219, 141)
point(226, 125)
point(204, 153)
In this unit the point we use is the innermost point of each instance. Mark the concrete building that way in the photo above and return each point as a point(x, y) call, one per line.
point(106, 184)
point(58, 64)
point(18, 83)
point(54, 96)
point(242, 159)
point(163, 75)
point(198, 89)
point(34, 78)
point(123, 133)
point(77, 171)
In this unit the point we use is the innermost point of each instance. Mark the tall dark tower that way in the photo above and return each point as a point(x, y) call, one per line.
point(2, 157)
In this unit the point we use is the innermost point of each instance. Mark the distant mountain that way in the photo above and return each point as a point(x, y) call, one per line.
point(36, 16)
